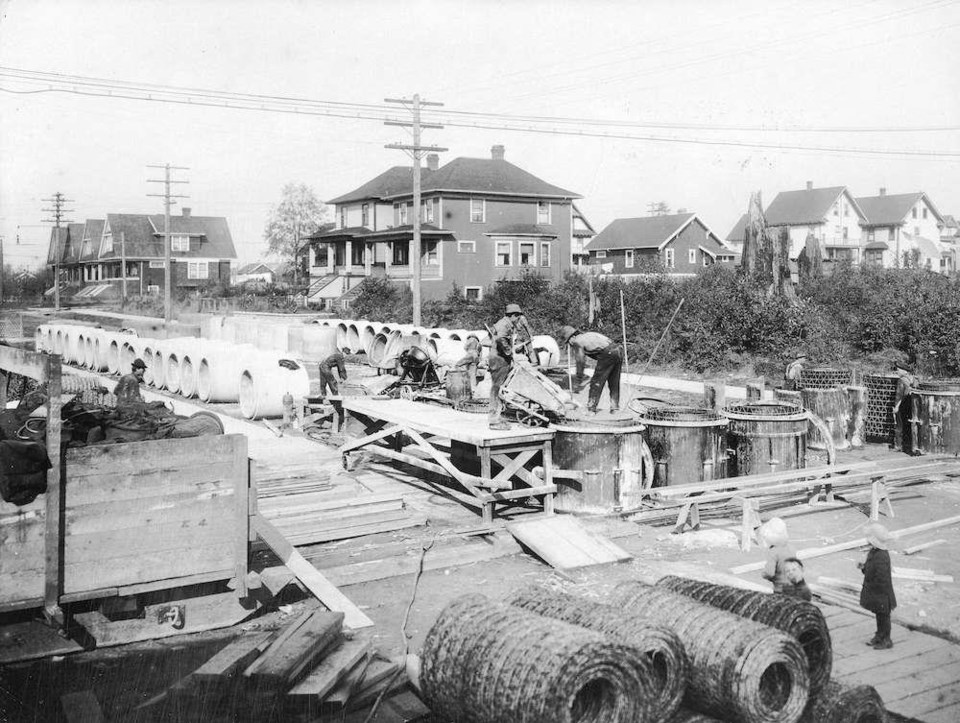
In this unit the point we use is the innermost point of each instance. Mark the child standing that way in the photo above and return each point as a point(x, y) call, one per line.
point(877, 592)
point(795, 585)
point(773, 533)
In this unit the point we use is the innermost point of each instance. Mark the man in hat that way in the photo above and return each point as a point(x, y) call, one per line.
point(328, 382)
point(128, 388)
point(903, 413)
point(877, 595)
point(609, 362)
point(792, 374)
point(503, 337)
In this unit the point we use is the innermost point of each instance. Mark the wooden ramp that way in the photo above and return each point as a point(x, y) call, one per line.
point(563, 543)
point(918, 679)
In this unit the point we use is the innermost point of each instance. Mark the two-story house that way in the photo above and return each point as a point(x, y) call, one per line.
point(677, 244)
point(201, 251)
point(482, 219)
point(831, 215)
point(900, 226)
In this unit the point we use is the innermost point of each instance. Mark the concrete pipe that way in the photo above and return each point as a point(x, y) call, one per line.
point(211, 327)
point(41, 338)
point(319, 342)
point(166, 362)
point(378, 349)
point(353, 338)
point(263, 386)
point(368, 332)
point(272, 336)
point(458, 334)
point(447, 352)
point(294, 344)
point(101, 349)
point(190, 367)
point(219, 368)
point(342, 337)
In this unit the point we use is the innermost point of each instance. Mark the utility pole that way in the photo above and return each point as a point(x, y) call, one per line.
point(415, 151)
point(123, 270)
point(58, 211)
point(167, 201)
point(1, 270)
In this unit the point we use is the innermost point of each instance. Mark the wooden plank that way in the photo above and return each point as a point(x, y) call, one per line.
point(922, 546)
point(852, 665)
point(311, 578)
point(237, 655)
point(82, 707)
point(55, 495)
point(126, 542)
point(344, 689)
point(923, 706)
point(30, 640)
point(400, 521)
point(214, 479)
point(241, 517)
point(192, 507)
point(950, 714)
point(331, 670)
point(293, 652)
point(812, 552)
point(917, 682)
point(318, 502)
point(919, 664)
point(169, 455)
point(564, 543)
point(27, 363)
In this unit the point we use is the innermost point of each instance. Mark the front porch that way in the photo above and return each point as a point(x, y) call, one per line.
point(353, 252)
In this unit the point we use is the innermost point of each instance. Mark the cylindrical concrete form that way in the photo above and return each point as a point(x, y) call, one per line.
point(319, 342)
point(688, 444)
point(263, 386)
point(218, 373)
point(937, 406)
point(766, 437)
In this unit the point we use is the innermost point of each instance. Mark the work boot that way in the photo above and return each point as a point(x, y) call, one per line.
point(873, 641)
point(884, 644)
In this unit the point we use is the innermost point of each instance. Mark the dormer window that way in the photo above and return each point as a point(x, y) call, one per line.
point(180, 242)
point(107, 245)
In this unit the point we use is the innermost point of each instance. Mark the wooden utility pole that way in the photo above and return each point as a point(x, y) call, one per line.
point(123, 270)
point(416, 150)
point(1, 270)
point(167, 202)
point(58, 211)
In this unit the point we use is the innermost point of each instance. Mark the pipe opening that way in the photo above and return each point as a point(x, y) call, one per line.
point(594, 702)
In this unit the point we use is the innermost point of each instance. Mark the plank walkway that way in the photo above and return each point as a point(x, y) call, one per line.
point(918, 679)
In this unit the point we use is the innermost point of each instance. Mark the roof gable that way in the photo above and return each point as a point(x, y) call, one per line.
point(491, 176)
point(92, 233)
point(214, 230)
point(808, 206)
point(892, 210)
point(258, 267)
point(58, 242)
point(652, 232)
point(736, 234)
point(393, 181)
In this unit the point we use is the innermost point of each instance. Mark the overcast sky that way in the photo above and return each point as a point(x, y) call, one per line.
point(737, 72)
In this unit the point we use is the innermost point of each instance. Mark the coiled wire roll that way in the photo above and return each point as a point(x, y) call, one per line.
point(486, 662)
point(738, 668)
point(659, 643)
point(839, 703)
point(803, 620)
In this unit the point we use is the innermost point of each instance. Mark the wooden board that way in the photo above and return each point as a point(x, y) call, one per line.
point(563, 543)
point(32, 640)
point(287, 657)
point(334, 666)
point(443, 421)
point(232, 658)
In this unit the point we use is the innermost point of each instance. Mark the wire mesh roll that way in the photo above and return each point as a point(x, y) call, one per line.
point(484, 661)
point(659, 643)
point(824, 377)
point(881, 396)
point(798, 618)
point(839, 703)
point(739, 669)
point(685, 715)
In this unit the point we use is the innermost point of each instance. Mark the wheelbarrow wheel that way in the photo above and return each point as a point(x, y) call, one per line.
point(406, 392)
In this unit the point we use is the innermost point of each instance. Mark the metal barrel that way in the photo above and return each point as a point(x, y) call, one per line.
point(937, 411)
point(766, 437)
point(599, 466)
point(688, 444)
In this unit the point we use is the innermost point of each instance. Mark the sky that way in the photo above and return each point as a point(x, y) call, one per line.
point(711, 99)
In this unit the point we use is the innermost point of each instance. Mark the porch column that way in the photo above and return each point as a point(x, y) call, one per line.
point(331, 252)
point(368, 258)
point(348, 257)
point(388, 259)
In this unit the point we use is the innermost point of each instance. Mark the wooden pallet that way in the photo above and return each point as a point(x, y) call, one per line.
point(564, 543)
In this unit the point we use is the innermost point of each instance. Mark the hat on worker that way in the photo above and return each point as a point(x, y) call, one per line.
point(566, 332)
point(139, 364)
point(513, 309)
point(879, 536)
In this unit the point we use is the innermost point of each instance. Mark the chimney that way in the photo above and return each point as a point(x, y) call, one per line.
point(433, 161)
point(186, 211)
point(883, 192)
point(809, 185)
point(496, 153)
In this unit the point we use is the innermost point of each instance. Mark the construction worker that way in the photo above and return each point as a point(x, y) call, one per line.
point(470, 359)
point(503, 335)
point(127, 390)
point(327, 380)
point(903, 413)
point(609, 362)
point(791, 376)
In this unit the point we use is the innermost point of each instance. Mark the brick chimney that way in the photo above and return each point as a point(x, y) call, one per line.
point(883, 192)
point(186, 211)
point(496, 152)
point(433, 161)
point(809, 185)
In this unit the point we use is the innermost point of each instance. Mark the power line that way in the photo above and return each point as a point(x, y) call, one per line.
point(167, 202)
point(58, 211)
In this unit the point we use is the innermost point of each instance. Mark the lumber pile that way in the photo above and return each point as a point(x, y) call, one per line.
point(307, 507)
point(309, 667)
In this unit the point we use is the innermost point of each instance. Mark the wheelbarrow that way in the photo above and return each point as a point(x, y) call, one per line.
point(532, 398)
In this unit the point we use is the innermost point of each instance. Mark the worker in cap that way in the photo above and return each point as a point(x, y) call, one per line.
point(328, 382)
point(877, 594)
point(791, 376)
point(503, 339)
point(903, 413)
point(127, 390)
point(609, 360)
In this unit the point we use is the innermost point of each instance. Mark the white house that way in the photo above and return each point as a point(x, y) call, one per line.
point(900, 226)
point(831, 215)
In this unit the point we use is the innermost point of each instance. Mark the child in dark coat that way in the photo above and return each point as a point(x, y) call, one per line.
point(877, 592)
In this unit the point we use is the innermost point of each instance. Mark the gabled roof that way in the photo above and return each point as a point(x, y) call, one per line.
point(217, 241)
point(92, 232)
point(491, 176)
point(739, 229)
point(258, 267)
point(808, 206)
point(135, 232)
point(58, 243)
point(892, 210)
point(142, 236)
point(589, 230)
point(71, 250)
point(949, 221)
point(524, 229)
point(350, 232)
point(650, 232)
point(393, 181)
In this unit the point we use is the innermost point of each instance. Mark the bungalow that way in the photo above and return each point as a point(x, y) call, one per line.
point(257, 272)
point(900, 226)
point(481, 220)
point(831, 215)
point(679, 244)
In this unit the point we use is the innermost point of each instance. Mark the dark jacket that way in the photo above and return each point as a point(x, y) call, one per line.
point(877, 592)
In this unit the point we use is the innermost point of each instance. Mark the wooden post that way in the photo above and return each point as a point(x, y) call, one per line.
point(857, 425)
point(754, 392)
point(53, 535)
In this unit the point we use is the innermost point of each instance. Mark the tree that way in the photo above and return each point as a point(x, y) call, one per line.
point(298, 215)
point(658, 208)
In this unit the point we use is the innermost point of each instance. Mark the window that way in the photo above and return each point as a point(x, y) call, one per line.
point(467, 247)
point(668, 259)
point(357, 253)
point(527, 251)
point(846, 233)
point(836, 211)
point(107, 242)
point(871, 235)
point(197, 270)
point(426, 212)
point(628, 258)
point(401, 213)
point(916, 230)
point(478, 210)
point(692, 256)
point(179, 242)
point(891, 234)
point(473, 293)
point(602, 254)
point(924, 212)
point(365, 214)
point(504, 249)
point(544, 253)
point(431, 255)
point(156, 264)
point(343, 217)
point(914, 211)
point(543, 212)
point(706, 259)
point(401, 253)
point(153, 289)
